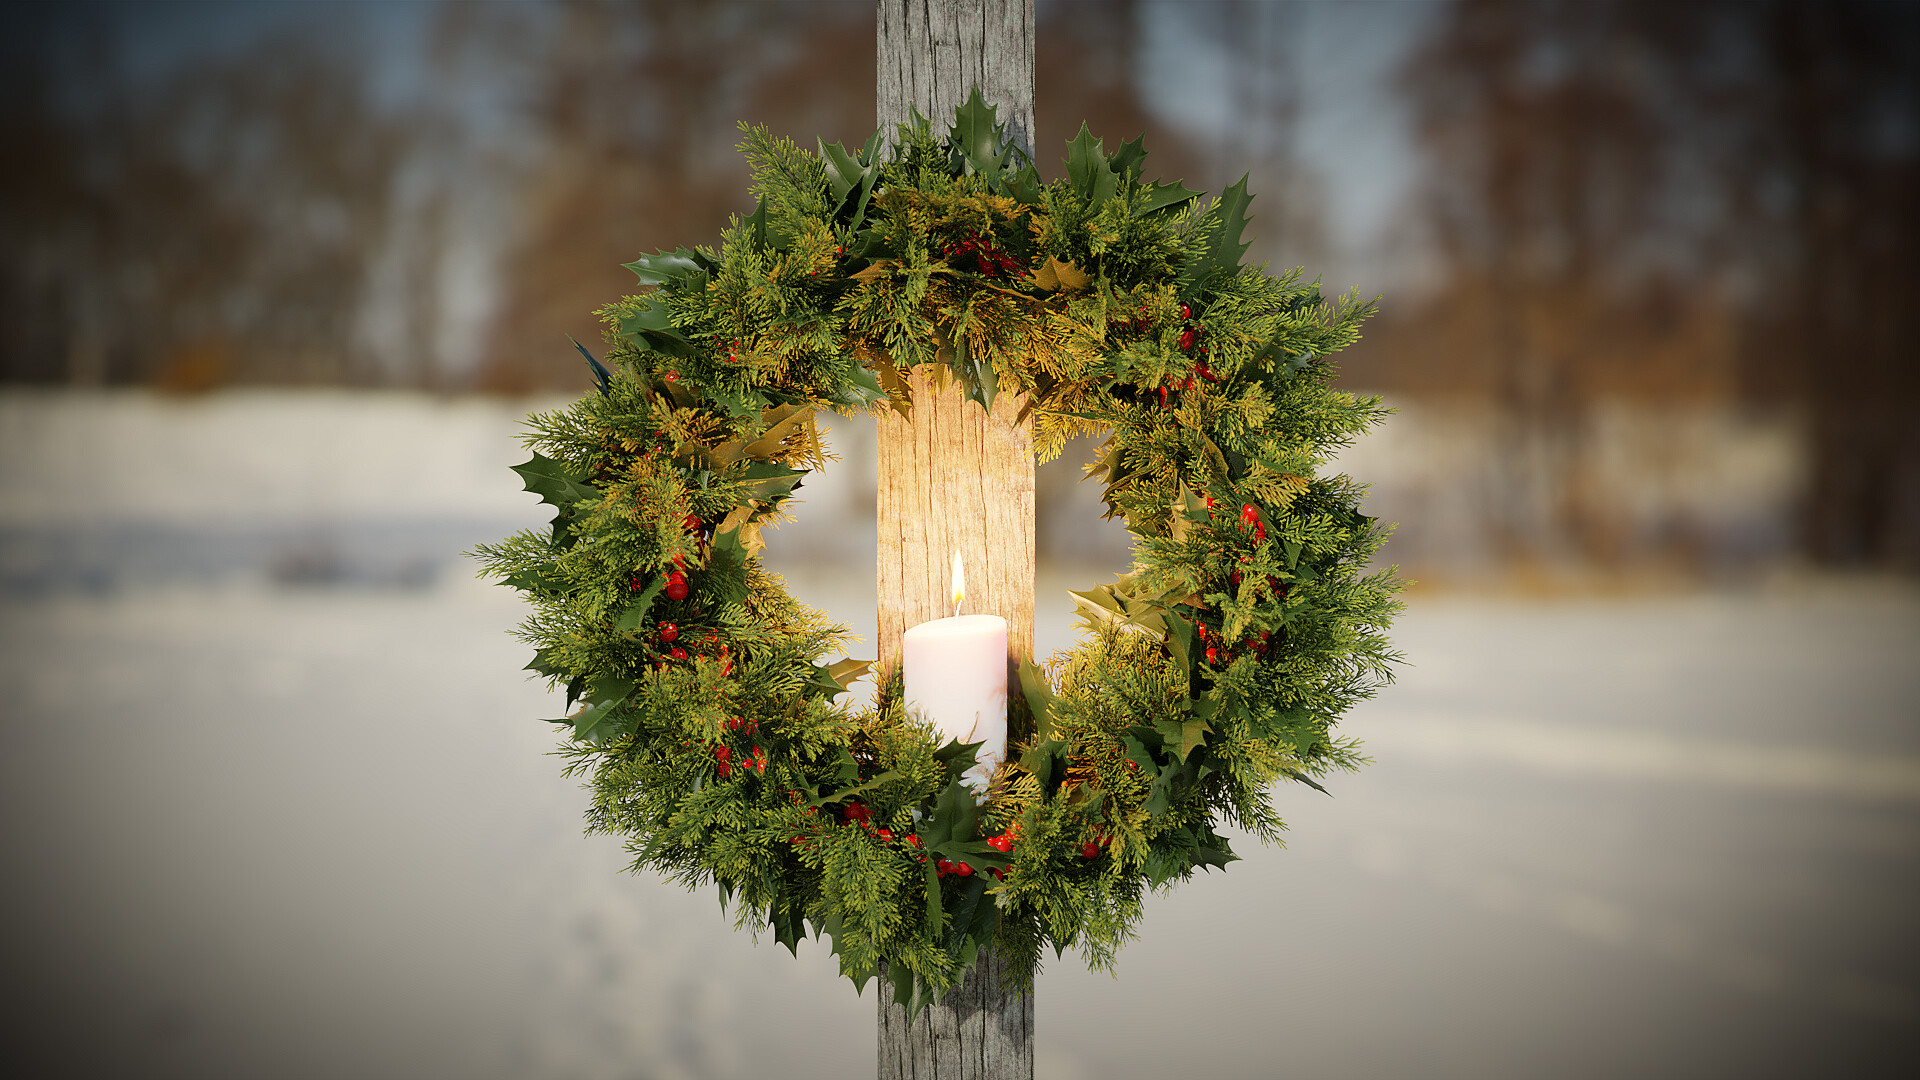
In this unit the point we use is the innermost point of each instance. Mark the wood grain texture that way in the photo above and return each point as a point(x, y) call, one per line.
point(956, 478)
point(934, 52)
point(976, 1032)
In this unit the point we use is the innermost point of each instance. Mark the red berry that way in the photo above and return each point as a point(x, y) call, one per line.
point(676, 586)
point(963, 870)
point(673, 376)
point(1249, 515)
point(1186, 311)
point(669, 631)
point(1187, 339)
point(943, 866)
point(1213, 656)
point(634, 583)
point(914, 839)
point(884, 834)
point(693, 524)
point(1089, 850)
point(677, 653)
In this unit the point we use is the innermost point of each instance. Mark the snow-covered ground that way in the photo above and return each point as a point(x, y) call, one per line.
point(258, 822)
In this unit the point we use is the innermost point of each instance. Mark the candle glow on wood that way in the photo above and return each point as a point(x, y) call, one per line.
point(956, 677)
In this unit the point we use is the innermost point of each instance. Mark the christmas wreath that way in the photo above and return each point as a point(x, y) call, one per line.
point(708, 727)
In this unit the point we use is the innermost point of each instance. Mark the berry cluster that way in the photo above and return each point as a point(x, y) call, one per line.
point(1189, 341)
point(993, 262)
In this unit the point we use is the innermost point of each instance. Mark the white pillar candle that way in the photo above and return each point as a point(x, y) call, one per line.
point(956, 676)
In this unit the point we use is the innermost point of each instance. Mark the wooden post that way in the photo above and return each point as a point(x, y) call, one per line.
point(955, 478)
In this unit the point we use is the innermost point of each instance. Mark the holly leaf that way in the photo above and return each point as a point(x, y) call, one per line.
point(836, 678)
point(725, 578)
point(787, 915)
point(956, 817)
point(636, 612)
point(851, 180)
point(1024, 186)
point(602, 720)
point(1038, 690)
point(543, 663)
point(769, 481)
point(976, 137)
point(554, 482)
point(1163, 196)
point(664, 267)
point(1221, 246)
point(844, 794)
point(756, 224)
point(650, 326)
point(860, 389)
point(1127, 160)
point(534, 581)
point(1087, 171)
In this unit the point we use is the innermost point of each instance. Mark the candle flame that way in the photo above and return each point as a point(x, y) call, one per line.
point(959, 583)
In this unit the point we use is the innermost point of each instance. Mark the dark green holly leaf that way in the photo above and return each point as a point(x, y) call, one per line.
point(956, 815)
point(1166, 787)
point(976, 137)
point(604, 718)
point(1047, 761)
point(1127, 160)
point(1038, 690)
point(756, 224)
point(1024, 185)
point(1087, 171)
point(858, 390)
point(1180, 639)
point(1221, 248)
point(724, 579)
point(554, 482)
point(635, 614)
point(851, 180)
point(768, 481)
point(543, 663)
point(533, 581)
point(787, 915)
point(650, 327)
point(844, 794)
point(665, 266)
point(1162, 196)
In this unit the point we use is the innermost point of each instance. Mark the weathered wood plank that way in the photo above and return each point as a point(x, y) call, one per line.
point(956, 478)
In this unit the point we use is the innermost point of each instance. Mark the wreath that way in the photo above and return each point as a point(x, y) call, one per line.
point(708, 726)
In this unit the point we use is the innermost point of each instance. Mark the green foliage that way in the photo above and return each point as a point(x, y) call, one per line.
point(710, 728)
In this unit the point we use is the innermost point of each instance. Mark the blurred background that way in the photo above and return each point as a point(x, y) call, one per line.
point(279, 280)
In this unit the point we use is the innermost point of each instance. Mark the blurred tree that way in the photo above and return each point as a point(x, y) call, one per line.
point(1826, 175)
point(1658, 203)
point(214, 226)
point(632, 106)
